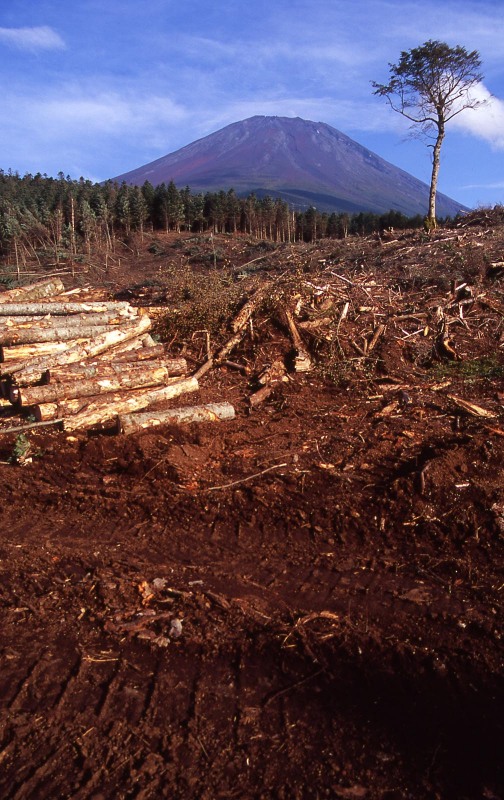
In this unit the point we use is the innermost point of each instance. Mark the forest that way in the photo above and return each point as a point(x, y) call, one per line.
point(44, 218)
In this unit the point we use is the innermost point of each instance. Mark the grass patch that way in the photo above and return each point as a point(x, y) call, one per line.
point(485, 368)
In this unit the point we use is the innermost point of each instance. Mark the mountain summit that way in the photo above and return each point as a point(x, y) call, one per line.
point(306, 163)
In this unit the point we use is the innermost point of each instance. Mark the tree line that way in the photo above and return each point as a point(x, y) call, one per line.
point(43, 217)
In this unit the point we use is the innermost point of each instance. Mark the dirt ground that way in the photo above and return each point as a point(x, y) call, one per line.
point(303, 602)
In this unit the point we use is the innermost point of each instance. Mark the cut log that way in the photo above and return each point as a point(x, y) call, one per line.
point(144, 340)
point(105, 408)
point(141, 353)
point(137, 349)
point(302, 361)
point(104, 369)
point(43, 332)
point(22, 352)
point(211, 412)
point(54, 309)
point(261, 395)
point(268, 379)
point(50, 287)
point(134, 378)
point(70, 321)
point(32, 371)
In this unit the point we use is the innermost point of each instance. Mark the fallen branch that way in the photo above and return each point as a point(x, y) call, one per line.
point(221, 354)
point(248, 478)
point(30, 425)
point(376, 335)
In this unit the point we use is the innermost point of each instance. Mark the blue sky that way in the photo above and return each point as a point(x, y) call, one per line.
point(95, 88)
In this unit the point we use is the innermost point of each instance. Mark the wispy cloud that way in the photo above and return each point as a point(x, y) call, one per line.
point(40, 38)
point(496, 185)
point(73, 122)
point(106, 112)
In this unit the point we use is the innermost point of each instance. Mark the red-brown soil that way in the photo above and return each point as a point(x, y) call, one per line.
point(303, 602)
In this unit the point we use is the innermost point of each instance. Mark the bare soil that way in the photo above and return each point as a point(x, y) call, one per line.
point(303, 602)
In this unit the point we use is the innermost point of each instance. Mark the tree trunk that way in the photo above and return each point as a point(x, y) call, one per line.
point(31, 372)
point(133, 378)
point(85, 413)
point(431, 218)
point(48, 288)
point(212, 412)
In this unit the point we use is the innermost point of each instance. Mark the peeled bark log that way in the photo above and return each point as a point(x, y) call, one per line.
point(147, 375)
point(211, 412)
point(118, 307)
point(106, 369)
point(49, 288)
point(32, 371)
point(105, 408)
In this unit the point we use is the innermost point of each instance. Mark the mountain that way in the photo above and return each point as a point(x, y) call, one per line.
point(306, 163)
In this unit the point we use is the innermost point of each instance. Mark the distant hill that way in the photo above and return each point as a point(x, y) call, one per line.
point(306, 163)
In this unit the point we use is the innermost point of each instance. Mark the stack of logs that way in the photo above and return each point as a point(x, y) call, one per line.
point(83, 364)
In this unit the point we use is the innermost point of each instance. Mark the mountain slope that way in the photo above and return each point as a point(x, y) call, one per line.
point(306, 163)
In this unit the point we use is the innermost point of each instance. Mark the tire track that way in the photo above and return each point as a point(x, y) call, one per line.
point(46, 779)
point(33, 682)
point(128, 695)
point(17, 689)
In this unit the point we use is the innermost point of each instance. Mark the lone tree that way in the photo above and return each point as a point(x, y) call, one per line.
point(430, 85)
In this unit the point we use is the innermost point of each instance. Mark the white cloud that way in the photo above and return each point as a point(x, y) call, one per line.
point(486, 121)
point(41, 38)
